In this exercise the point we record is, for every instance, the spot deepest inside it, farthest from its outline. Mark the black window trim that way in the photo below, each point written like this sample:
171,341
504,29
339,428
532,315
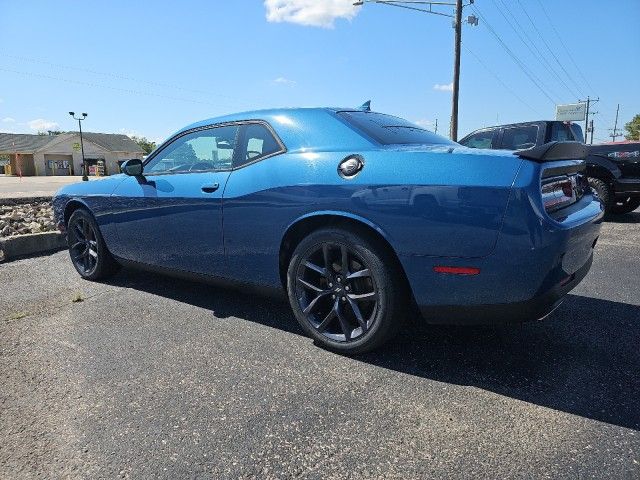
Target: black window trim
239,134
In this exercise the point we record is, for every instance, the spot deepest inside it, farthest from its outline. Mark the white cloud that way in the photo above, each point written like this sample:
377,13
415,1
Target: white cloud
284,81
315,13
444,87
42,125
8,120
428,124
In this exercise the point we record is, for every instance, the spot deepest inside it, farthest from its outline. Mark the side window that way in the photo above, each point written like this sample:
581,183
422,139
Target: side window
258,142
209,149
560,132
479,140
577,132
520,138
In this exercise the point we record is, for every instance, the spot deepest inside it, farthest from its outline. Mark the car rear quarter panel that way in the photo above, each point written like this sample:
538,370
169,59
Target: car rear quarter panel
425,203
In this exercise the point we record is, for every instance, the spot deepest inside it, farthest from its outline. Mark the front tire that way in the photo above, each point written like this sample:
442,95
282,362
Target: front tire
346,291
88,252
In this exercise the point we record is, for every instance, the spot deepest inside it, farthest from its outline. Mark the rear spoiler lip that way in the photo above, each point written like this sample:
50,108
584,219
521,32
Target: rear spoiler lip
555,151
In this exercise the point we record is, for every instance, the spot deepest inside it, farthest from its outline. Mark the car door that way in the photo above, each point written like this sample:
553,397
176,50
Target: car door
171,216
251,231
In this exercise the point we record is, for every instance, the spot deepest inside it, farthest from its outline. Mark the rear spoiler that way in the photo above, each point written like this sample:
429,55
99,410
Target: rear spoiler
552,151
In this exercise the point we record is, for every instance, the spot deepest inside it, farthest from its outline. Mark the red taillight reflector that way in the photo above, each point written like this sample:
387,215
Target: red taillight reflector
457,270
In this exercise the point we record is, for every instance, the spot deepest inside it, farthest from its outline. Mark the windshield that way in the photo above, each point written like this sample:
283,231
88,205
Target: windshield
390,130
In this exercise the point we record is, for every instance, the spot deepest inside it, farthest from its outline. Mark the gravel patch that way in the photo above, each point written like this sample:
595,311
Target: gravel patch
27,217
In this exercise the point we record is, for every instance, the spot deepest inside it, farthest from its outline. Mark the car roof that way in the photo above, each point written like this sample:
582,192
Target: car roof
299,128
263,114
302,129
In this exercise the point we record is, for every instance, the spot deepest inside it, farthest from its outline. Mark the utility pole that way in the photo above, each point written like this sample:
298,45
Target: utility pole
453,132
591,130
436,129
457,25
615,133
84,162
588,101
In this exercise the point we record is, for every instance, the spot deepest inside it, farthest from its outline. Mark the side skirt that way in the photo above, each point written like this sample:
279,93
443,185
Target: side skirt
246,287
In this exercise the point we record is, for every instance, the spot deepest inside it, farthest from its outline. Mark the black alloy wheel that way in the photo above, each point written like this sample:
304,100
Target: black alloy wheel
336,292
343,291
83,246
625,205
87,249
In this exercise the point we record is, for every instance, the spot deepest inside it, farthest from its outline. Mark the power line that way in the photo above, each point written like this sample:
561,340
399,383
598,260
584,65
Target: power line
537,82
542,37
115,75
537,53
507,87
118,89
566,49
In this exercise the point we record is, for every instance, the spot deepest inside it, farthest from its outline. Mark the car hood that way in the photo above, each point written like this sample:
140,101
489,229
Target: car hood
102,186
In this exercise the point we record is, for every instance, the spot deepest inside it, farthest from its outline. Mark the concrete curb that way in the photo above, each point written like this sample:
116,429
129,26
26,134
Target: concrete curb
11,202
30,244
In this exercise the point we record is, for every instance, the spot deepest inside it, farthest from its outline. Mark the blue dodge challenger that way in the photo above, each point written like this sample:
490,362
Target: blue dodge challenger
362,218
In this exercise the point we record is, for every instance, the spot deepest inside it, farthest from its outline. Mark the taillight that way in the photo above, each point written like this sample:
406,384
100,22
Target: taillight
559,192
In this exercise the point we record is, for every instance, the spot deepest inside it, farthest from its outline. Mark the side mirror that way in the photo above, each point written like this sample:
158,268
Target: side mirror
132,167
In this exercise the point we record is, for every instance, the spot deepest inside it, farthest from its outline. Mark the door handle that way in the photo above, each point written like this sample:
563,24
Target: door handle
210,188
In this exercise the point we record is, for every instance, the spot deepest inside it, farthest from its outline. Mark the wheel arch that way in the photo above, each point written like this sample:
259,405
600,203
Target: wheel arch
602,168
71,206
306,224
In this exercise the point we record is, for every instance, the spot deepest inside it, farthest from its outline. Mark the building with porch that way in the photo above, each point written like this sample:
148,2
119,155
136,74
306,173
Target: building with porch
30,155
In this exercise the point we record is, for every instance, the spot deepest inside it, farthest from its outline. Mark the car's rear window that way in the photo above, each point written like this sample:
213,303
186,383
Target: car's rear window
390,130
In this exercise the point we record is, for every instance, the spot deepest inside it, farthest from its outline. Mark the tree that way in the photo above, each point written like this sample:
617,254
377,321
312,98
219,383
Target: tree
146,145
633,128
51,132
184,154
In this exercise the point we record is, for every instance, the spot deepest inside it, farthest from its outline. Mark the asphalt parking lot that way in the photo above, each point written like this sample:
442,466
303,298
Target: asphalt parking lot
21,187
150,377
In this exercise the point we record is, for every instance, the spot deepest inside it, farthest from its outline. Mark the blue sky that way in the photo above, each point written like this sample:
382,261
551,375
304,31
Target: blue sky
149,68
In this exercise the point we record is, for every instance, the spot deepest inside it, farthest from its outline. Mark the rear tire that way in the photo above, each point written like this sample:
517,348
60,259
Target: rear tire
624,205
88,252
346,291
603,191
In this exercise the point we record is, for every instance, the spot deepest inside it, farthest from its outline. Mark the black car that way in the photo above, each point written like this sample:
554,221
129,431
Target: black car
614,173
613,168
520,136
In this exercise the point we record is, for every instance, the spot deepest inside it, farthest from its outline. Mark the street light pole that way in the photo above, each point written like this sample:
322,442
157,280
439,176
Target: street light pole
426,6
84,163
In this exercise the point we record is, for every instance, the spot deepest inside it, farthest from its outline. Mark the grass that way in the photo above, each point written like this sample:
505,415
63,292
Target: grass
77,298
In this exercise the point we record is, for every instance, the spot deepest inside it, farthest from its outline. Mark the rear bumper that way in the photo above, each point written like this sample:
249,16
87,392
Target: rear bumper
535,308
627,187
